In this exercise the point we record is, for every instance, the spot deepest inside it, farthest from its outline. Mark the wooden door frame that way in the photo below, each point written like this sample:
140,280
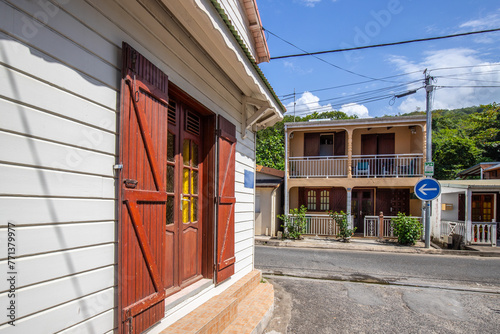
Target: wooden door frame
360,189
494,202
208,175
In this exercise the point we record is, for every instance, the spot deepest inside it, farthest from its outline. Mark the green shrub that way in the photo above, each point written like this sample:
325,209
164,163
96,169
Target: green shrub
408,229
294,224
345,233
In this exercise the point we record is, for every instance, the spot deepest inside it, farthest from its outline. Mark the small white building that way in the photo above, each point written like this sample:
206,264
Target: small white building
127,128
268,200
469,208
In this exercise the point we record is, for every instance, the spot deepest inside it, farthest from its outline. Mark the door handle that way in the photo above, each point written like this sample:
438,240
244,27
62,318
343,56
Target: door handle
184,199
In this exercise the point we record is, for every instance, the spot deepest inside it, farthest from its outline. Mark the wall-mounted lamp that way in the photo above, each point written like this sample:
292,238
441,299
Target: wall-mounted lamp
413,130
291,135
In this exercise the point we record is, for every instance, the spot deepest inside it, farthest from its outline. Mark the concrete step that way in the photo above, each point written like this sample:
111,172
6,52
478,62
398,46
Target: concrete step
244,286
254,311
245,307
211,317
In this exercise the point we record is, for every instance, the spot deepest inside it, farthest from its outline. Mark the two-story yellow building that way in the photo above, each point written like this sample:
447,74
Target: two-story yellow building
360,166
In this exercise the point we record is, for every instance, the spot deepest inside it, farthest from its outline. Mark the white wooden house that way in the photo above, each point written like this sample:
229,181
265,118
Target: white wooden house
114,115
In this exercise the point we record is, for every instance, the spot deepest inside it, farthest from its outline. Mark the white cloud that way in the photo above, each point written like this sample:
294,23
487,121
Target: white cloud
473,71
309,103
490,21
355,109
310,3
306,104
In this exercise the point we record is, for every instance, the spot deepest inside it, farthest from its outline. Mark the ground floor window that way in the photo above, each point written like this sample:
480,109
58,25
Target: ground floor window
323,199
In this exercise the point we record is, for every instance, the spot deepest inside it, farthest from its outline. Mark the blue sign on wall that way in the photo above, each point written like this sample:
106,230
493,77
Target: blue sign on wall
249,179
427,189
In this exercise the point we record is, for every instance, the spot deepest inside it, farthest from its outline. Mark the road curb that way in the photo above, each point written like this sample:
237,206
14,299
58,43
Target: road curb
367,248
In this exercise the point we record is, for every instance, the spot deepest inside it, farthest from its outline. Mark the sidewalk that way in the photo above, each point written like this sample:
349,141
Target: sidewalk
373,245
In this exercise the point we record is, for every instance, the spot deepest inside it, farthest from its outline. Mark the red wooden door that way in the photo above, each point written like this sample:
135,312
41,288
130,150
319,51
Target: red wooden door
361,206
226,199
143,141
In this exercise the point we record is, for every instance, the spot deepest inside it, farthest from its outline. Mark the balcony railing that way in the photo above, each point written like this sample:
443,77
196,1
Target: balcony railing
318,166
388,165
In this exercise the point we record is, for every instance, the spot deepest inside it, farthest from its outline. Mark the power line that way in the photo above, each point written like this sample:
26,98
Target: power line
324,61
380,45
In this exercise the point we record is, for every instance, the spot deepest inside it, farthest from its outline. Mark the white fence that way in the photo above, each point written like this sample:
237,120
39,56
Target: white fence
372,226
484,233
481,233
320,224
449,227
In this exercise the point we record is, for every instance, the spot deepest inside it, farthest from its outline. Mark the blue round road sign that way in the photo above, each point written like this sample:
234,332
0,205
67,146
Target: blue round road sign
427,189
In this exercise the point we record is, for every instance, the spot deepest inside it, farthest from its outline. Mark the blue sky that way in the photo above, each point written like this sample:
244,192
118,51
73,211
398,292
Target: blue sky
317,25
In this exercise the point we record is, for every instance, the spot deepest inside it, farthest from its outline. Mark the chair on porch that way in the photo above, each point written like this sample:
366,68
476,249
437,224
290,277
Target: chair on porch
363,168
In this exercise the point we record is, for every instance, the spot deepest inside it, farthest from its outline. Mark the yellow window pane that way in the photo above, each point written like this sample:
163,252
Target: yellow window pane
185,181
185,211
194,209
185,152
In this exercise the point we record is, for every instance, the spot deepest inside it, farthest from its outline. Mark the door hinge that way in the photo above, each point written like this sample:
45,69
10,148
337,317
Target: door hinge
118,167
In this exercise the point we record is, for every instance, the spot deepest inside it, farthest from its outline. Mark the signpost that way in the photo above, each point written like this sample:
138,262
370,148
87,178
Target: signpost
427,189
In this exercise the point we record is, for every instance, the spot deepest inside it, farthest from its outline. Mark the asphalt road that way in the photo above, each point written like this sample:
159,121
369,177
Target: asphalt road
374,267
368,292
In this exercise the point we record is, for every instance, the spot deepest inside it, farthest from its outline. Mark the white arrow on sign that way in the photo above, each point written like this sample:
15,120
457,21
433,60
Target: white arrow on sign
423,189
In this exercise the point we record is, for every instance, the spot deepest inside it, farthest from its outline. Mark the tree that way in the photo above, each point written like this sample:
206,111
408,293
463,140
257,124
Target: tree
271,141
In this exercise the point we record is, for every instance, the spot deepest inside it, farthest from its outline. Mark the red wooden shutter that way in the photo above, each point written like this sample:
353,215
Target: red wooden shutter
339,143
143,146
226,199
311,144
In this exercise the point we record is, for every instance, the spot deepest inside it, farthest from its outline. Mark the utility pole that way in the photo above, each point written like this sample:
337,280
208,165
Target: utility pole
294,103
428,91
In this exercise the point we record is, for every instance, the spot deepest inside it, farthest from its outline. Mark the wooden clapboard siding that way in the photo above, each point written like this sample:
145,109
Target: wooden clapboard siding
48,294
43,125
52,238
41,95
45,182
44,211
65,316
75,60
187,66
48,67
99,323
58,46
46,267
23,150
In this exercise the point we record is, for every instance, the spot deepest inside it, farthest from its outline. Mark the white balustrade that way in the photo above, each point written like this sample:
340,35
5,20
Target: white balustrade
318,166
484,233
387,165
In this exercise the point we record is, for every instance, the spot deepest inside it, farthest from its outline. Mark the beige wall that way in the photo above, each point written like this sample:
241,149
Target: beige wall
269,201
405,141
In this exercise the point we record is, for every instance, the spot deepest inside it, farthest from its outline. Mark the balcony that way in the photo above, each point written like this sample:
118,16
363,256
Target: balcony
387,165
